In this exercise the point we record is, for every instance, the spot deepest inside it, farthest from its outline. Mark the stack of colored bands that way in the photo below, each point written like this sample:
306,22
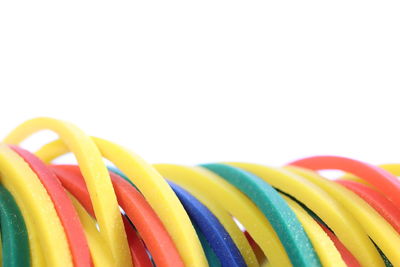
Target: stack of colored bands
221,214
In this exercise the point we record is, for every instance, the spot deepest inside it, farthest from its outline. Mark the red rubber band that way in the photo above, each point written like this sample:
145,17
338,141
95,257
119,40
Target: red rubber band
376,200
347,257
385,182
146,221
65,210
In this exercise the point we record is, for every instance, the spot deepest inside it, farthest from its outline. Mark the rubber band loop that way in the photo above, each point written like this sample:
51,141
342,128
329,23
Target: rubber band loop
376,200
282,218
326,207
99,250
378,229
381,179
136,208
323,245
37,210
205,185
212,259
96,178
213,231
63,205
14,235
156,191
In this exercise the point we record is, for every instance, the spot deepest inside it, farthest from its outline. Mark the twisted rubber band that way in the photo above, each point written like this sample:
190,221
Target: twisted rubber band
219,240
37,210
96,178
282,218
379,230
14,235
156,191
63,205
326,207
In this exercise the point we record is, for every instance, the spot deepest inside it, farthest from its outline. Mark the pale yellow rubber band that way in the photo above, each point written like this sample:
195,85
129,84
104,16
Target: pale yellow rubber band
379,230
205,185
96,177
99,250
156,191
37,210
326,207
323,245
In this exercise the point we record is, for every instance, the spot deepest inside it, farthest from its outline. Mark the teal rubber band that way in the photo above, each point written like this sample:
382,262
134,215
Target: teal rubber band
285,223
14,235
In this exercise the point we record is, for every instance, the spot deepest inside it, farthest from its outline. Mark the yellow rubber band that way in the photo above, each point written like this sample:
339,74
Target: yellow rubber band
326,207
37,209
380,231
156,191
206,185
393,168
323,245
99,250
96,177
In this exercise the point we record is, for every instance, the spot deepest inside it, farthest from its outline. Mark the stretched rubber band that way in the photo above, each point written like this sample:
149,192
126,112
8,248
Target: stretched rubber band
281,217
381,179
63,205
14,236
96,178
204,184
378,229
219,240
136,208
37,210
376,200
323,245
326,207
156,191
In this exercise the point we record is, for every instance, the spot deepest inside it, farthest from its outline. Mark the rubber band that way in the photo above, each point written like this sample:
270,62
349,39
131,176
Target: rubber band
37,210
99,250
96,178
212,258
156,191
65,210
379,230
282,218
326,207
381,179
204,184
376,200
323,245
219,240
14,235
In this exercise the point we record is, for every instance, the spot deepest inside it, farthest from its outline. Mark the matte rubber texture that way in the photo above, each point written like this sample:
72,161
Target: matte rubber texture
381,204
144,219
153,187
219,240
14,235
69,218
212,259
282,218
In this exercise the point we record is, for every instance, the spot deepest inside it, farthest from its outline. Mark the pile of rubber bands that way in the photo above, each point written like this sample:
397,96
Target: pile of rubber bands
126,212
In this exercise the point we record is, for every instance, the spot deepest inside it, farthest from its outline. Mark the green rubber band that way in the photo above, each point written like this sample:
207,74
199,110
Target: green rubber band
212,259
290,231
14,236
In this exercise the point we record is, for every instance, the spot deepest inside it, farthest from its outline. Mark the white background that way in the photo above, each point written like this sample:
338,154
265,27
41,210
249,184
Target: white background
193,82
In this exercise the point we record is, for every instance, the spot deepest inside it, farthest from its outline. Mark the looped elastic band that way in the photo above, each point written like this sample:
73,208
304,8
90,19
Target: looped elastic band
282,218
14,236
215,234
156,191
96,177
37,210
377,228
63,205
326,207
